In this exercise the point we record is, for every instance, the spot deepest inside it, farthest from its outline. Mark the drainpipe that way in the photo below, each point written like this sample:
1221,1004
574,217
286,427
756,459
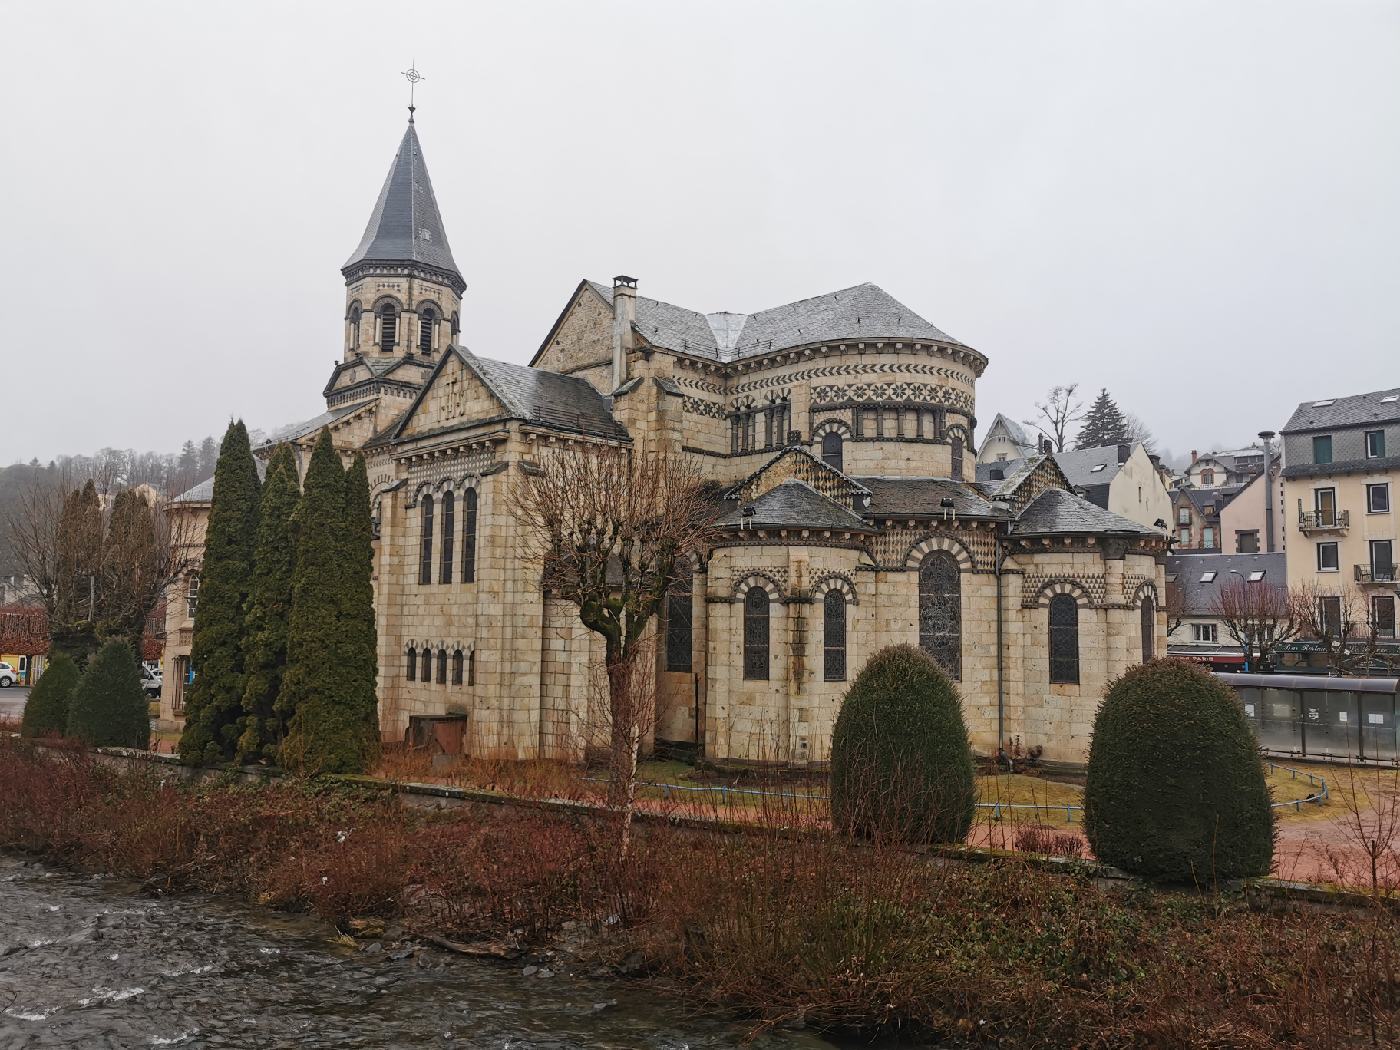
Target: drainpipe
999,555
1267,437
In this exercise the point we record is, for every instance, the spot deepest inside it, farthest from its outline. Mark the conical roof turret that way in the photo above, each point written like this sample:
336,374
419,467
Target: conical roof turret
406,226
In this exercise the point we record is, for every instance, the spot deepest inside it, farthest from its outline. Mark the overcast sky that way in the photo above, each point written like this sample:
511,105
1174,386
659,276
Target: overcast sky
1196,205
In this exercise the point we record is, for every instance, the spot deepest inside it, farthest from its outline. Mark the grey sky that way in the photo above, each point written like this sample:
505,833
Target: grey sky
1194,204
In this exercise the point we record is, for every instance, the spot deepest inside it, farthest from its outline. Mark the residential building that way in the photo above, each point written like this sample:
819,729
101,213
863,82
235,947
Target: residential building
1196,517
1123,479
1195,629
1341,472
1005,440
1221,469
842,429
1246,519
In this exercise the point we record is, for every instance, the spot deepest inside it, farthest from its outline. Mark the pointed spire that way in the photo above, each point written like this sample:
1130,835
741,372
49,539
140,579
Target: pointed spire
406,226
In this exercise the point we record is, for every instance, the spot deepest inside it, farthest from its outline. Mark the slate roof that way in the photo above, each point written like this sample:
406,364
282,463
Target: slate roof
923,497
406,225
293,431
1219,498
1090,466
795,504
565,402
1356,410
1197,594
863,311
204,491
1013,430
1011,472
1056,512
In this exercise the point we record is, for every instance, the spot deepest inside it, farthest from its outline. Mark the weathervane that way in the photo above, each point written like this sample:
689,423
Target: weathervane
413,76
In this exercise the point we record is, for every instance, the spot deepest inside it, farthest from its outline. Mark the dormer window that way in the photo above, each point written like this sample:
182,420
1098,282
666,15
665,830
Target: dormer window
388,326
427,321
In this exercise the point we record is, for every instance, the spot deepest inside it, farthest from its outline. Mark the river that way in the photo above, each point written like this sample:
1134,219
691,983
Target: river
89,962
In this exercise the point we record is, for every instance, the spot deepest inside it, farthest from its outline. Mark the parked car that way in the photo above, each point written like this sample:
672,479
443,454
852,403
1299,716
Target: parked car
8,675
151,682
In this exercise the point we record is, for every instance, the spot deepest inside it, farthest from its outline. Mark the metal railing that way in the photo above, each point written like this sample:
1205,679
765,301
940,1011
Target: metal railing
1323,520
1367,573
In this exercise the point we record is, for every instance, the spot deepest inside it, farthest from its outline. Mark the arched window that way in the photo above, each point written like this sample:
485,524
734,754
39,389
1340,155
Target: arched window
833,455
679,624
956,473
449,510
471,667
1149,629
355,315
427,320
469,536
457,663
756,634
442,667
425,553
456,324
834,636
1064,640
940,610
388,326
412,663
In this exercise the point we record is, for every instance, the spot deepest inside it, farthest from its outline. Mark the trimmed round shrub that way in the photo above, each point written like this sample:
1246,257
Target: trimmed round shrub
46,712
109,708
901,765
1176,789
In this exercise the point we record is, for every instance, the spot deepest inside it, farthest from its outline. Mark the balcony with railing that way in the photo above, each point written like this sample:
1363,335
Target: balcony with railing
1324,520
1380,575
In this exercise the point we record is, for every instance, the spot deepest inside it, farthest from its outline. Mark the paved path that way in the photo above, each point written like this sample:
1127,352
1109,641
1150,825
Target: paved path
12,702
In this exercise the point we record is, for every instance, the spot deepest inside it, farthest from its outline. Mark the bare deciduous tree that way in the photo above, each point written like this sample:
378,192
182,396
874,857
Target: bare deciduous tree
610,527
1057,414
1259,616
106,568
1174,605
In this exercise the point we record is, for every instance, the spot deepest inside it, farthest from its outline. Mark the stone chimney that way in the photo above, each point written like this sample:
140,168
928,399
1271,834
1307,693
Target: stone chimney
1194,457
624,316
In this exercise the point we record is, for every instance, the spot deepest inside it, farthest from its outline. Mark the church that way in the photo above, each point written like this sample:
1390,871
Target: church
843,431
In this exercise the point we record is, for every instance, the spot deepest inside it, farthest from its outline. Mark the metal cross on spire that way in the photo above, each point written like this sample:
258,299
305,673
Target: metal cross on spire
413,76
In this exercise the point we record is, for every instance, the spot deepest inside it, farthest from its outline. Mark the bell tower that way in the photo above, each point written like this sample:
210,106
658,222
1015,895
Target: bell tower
403,291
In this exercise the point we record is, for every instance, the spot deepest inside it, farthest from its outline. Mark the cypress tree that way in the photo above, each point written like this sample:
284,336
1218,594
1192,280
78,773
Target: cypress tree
325,721
46,713
269,608
214,703
109,708
1104,425
359,561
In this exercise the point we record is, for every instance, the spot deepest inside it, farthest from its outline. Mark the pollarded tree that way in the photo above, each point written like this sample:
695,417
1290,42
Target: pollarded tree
611,528
359,591
1104,424
269,609
109,708
1176,790
46,712
214,702
321,699
901,764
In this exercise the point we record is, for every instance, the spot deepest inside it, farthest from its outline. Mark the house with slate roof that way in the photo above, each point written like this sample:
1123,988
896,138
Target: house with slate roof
841,429
1341,470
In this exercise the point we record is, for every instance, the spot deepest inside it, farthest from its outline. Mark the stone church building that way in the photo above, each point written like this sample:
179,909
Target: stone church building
843,428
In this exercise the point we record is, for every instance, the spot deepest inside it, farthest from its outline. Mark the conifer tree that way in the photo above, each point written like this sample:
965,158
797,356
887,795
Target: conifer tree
269,608
214,703
109,708
46,711
1103,425
325,720
359,562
